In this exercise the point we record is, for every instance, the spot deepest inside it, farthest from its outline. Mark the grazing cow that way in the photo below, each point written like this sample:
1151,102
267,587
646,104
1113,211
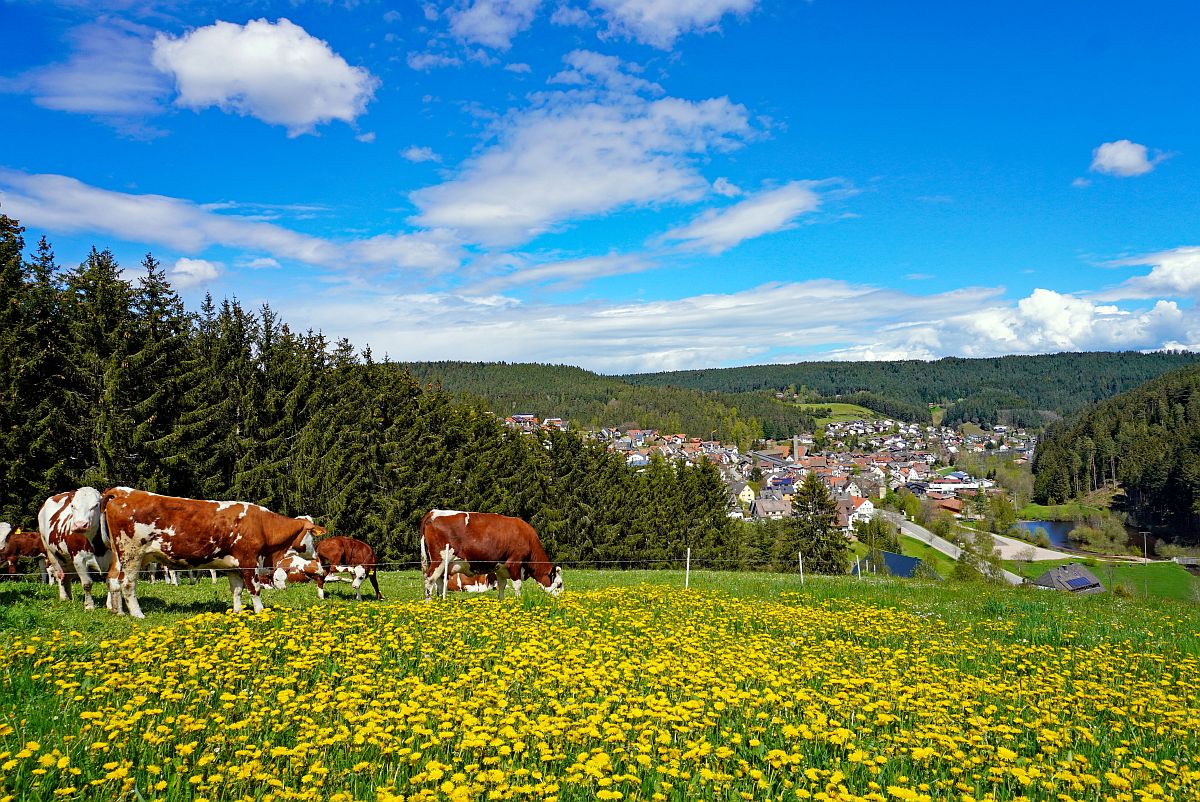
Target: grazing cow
484,543
15,544
189,533
292,567
75,542
340,555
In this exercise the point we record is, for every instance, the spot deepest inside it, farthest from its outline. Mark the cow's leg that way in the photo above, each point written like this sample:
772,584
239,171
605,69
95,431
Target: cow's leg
375,584
501,580
249,578
235,587
64,581
212,572
127,582
83,564
43,573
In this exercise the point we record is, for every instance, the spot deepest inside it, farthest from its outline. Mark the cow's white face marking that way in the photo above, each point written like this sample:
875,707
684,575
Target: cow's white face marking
85,509
556,584
279,579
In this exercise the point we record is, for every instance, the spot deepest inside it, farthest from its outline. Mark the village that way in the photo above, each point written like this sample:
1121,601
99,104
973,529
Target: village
859,461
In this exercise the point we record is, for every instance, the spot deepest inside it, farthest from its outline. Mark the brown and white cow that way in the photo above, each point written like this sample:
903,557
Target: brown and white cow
75,542
478,583
341,555
484,543
16,544
190,533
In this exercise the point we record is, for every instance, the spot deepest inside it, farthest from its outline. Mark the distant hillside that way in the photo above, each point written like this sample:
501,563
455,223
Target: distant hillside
1013,389
1147,439
590,400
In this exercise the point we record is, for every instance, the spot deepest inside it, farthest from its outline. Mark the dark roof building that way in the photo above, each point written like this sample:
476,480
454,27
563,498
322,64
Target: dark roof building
1073,578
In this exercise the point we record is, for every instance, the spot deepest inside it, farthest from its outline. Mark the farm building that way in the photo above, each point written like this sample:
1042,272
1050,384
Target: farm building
1073,578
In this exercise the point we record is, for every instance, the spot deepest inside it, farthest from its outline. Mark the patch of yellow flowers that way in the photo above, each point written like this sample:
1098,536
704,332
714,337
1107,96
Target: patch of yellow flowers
625,694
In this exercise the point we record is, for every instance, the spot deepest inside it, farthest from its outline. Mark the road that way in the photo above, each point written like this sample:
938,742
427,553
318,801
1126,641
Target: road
941,544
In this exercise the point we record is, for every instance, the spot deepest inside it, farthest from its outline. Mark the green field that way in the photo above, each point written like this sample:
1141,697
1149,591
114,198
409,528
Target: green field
839,413
747,686
1057,512
1156,580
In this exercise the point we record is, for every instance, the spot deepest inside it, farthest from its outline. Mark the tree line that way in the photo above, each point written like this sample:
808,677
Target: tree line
1014,388
592,401
106,382
1146,440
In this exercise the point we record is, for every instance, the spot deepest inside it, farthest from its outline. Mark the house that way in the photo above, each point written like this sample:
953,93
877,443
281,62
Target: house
769,508
892,564
1073,578
637,460
744,493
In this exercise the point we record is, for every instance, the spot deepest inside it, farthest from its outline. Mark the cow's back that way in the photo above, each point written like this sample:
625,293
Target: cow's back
480,537
340,550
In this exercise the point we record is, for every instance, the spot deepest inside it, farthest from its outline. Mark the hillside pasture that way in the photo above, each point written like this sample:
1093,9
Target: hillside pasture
839,413
627,687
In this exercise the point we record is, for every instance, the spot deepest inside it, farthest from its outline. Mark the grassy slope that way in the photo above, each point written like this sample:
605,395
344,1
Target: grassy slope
27,608
840,412
1159,580
1057,512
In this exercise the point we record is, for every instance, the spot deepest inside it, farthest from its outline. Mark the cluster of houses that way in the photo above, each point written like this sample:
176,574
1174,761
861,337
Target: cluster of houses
860,462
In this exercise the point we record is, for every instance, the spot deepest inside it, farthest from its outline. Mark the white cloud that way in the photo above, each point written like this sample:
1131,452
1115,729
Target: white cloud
1081,182
368,137
588,68
582,153
262,263
723,186
108,75
424,62
570,16
661,22
1123,158
718,230
492,23
519,67
275,72
61,204
564,274
1173,274
193,272
420,154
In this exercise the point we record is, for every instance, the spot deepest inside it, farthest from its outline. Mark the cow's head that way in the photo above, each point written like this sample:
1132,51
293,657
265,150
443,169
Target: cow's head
305,543
83,513
556,581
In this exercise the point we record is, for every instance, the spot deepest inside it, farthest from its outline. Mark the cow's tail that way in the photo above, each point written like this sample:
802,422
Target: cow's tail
424,553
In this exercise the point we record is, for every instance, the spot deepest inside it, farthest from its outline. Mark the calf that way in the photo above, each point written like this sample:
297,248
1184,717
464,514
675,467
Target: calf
15,545
76,543
339,555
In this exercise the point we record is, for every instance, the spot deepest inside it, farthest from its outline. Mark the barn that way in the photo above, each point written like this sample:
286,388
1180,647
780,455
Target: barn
1073,578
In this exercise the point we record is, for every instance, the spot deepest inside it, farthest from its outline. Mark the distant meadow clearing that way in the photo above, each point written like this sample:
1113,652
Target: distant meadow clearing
744,687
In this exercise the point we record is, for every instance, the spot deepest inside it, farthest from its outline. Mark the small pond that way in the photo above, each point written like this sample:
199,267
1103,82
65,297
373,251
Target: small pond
1057,530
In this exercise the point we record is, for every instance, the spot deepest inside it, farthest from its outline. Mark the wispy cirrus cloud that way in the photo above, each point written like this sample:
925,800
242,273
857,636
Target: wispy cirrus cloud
108,76
62,204
718,230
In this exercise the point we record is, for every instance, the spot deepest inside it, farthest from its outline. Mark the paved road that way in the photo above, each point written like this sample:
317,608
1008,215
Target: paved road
941,544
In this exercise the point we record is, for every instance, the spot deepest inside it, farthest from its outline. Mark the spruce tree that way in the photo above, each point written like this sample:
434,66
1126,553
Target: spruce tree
812,531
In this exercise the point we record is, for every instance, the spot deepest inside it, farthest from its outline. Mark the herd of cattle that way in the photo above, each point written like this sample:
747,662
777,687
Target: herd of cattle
121,532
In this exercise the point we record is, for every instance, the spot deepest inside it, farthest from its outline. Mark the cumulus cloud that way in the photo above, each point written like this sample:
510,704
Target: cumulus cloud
59,203
108,75
193,272
1123,158
492,23
1173,273
718,230
660,22
723,186
275,72
416,154
582,153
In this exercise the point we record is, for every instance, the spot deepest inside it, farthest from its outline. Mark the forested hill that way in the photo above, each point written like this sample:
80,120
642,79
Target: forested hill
1147,439
987,391
590,400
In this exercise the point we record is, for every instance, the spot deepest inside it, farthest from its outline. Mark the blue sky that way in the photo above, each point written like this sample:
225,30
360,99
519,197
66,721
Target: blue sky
629,184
